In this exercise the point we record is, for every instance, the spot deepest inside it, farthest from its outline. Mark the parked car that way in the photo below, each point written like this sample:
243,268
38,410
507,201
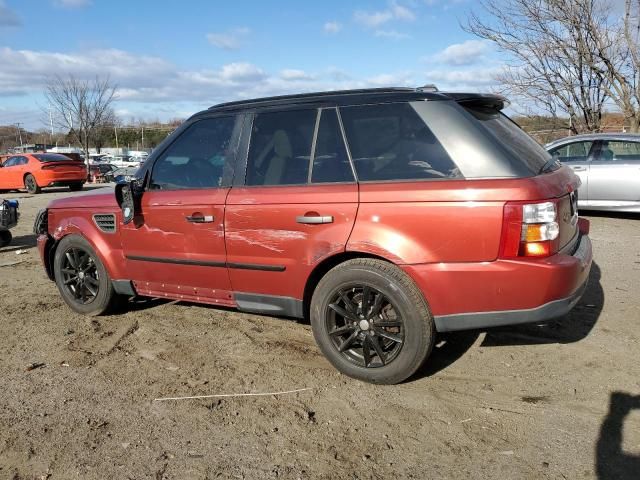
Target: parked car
124,175
608,165
9,216
35,171
101,172
124,161
383,216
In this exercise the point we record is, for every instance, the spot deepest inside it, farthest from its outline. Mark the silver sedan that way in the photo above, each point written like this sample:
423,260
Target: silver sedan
608,165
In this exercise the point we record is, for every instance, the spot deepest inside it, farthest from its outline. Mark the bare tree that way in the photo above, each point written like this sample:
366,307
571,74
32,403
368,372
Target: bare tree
619,62
553,46
82,107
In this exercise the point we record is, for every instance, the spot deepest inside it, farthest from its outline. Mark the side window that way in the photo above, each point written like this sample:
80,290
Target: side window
330,160
280,148
22,161
573,152
392,142
619,150
198,158
10,162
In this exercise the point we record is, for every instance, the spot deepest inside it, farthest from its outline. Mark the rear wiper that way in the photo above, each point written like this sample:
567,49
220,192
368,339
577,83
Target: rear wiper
550,163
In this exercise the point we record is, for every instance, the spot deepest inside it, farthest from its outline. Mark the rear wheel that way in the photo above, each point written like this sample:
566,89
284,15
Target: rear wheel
76,187
81,277
30,184
5,238
371,321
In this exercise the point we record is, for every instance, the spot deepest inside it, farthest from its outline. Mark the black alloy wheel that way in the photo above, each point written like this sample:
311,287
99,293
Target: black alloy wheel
364,326
80,275
30,184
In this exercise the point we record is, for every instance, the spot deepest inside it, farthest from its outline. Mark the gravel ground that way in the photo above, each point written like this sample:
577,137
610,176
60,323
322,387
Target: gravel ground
555,401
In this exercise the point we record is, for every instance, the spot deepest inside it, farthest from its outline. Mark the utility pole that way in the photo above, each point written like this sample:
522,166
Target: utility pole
142,137
115,130
51,123
17,124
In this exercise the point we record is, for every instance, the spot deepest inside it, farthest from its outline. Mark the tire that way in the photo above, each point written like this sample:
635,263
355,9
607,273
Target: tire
31,185
76,187
89,297
5,238
394,350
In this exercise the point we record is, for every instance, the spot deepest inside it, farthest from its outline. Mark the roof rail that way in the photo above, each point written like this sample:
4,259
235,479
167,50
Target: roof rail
302,96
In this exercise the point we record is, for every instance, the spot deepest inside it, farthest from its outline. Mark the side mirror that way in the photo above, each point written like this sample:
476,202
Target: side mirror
126,196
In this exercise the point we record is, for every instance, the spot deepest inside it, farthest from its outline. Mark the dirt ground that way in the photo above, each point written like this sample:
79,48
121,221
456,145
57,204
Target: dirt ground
555,401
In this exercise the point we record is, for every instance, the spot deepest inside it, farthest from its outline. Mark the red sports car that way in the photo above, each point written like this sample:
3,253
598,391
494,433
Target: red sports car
34,171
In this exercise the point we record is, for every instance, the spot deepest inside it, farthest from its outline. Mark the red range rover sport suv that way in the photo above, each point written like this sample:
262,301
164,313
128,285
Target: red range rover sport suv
382,216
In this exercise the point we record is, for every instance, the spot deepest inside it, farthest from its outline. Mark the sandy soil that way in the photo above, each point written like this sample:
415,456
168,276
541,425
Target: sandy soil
555,401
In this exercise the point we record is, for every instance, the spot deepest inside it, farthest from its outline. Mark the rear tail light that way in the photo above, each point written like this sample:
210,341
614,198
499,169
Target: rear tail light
530,229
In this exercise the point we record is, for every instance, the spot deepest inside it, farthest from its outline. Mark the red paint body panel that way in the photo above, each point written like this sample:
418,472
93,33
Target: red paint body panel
12,178
163,232
261,228
444,221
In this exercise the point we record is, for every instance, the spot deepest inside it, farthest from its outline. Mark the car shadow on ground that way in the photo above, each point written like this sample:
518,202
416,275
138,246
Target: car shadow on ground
573,327
609,214
19,242
611,460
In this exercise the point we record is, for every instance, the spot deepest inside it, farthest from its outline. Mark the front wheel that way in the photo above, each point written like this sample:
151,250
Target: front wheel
371,321
81,277
30,184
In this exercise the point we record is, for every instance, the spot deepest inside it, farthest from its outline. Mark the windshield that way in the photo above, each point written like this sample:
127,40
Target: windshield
512,137
52,157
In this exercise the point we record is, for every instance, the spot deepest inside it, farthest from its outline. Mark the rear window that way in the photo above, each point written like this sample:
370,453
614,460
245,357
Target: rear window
392,142
512,138
52,157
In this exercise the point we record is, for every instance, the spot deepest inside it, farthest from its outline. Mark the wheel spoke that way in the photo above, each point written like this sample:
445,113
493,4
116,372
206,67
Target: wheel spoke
347,343
68,271
366,351
341,311
390,336
377,305
76,258
351,308
366,299
376,346
71,280
92,291
71,259
341,330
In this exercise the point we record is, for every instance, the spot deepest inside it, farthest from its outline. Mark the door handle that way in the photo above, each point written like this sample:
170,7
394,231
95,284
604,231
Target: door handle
578,168
315,220
200,218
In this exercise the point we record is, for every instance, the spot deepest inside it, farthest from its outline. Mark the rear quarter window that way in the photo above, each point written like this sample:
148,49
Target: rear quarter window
392,142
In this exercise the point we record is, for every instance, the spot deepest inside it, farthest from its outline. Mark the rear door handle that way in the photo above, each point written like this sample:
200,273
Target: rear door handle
578,168
314,220
200,218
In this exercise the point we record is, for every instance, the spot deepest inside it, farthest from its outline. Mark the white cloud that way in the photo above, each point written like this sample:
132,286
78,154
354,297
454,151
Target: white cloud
8,17
72,3
292,74
395,11
238,72
392,34
332,27
230,40
465,53
473,79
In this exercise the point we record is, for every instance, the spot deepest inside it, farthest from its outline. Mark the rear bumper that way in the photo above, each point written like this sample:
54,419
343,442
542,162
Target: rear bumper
469,296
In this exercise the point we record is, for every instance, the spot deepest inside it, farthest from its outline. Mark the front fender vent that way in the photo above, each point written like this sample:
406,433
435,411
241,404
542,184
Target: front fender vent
105,222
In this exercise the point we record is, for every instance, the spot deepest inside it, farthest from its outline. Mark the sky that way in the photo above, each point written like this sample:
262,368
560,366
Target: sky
173,58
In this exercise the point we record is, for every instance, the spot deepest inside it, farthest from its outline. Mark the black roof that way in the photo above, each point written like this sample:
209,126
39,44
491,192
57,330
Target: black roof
354,97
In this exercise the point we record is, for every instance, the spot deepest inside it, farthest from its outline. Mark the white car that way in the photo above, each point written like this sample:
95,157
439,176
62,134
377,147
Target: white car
122,161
